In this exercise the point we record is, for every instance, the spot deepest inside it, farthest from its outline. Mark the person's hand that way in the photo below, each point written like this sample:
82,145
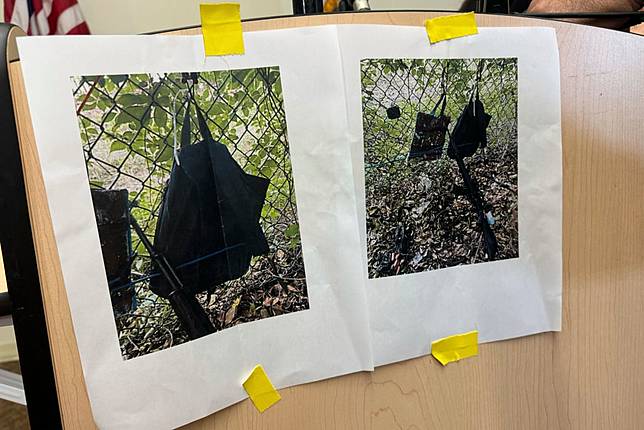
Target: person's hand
551,6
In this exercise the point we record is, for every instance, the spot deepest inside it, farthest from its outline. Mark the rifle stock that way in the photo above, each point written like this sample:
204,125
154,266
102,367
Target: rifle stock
474,194
190,313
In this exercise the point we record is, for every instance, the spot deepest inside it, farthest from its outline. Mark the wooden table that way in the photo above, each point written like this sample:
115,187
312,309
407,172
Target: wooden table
591,375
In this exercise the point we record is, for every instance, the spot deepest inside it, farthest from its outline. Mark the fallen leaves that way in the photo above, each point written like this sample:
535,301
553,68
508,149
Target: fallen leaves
419,218
275,285
230,314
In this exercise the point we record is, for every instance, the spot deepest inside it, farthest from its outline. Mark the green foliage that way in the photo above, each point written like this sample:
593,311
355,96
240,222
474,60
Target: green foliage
292,233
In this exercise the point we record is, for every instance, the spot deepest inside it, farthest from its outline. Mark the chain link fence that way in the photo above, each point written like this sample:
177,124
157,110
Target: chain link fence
130,126
416,218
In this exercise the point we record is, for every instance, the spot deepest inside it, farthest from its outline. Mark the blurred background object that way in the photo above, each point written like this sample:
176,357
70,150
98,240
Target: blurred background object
38,17
618,14
8,351
343,5
144,16
302,7
12,415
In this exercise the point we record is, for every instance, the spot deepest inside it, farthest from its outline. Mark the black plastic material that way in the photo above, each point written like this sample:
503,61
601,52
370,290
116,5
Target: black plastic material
21,266
305,7
393,112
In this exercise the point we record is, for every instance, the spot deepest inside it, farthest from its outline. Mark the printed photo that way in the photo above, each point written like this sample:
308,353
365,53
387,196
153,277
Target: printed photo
441,160
194,200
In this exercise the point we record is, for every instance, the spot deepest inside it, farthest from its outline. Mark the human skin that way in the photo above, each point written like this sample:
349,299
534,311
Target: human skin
549,6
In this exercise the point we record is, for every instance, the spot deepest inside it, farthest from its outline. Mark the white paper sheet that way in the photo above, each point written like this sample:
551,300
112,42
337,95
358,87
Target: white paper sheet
172,387
500,299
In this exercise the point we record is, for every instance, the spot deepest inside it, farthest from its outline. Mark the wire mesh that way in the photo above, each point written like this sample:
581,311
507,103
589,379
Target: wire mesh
129,127
415,220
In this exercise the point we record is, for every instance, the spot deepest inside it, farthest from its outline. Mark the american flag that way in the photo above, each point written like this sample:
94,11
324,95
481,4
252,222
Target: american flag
43,17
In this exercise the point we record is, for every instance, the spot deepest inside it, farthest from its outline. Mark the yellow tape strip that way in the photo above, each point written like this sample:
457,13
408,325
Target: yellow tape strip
451,26
457,347
260,389
221,28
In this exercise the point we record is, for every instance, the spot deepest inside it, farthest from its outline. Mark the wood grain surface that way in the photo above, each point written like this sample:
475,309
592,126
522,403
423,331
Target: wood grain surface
591,375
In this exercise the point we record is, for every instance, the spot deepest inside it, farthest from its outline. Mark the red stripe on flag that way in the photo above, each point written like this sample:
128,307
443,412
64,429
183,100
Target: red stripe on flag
8,9
81,28
58,7
37,6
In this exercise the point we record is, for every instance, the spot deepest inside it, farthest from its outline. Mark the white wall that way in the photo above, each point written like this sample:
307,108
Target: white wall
140,16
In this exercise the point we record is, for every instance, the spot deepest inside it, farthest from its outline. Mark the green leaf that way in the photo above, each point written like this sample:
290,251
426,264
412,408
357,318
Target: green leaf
274,76
139,145
123,118
164,100
110,116
117,79
166,154
292,231
117,146
239,95
241,74
272,213
103,103
126,100
266,171
218,109
136,111
160,117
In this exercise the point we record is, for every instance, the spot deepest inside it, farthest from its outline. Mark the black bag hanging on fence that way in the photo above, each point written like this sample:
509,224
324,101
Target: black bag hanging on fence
208,226
429,135
470,131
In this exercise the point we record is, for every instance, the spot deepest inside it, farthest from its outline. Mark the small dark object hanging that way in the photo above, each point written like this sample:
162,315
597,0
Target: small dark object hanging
393,112
113,220
208,227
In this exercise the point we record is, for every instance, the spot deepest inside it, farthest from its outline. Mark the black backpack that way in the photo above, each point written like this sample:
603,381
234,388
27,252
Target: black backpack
470,131
208,227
